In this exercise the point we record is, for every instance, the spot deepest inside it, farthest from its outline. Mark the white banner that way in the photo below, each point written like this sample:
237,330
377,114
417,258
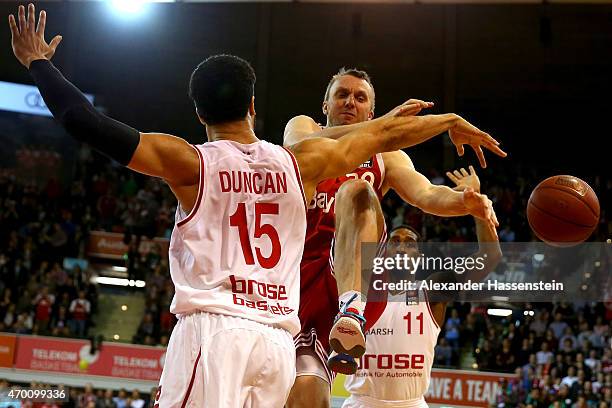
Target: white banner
25,99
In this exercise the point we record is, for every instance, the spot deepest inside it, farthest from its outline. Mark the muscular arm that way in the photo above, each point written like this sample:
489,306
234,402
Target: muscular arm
417,190
321,158
304,127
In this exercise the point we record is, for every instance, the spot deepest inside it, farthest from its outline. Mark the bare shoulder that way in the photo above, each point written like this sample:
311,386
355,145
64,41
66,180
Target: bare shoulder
303,120
298,128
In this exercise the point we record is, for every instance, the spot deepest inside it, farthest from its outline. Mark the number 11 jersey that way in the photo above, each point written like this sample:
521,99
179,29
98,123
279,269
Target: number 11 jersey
238,251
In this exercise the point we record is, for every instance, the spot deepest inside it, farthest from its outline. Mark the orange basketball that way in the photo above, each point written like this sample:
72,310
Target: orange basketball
563,210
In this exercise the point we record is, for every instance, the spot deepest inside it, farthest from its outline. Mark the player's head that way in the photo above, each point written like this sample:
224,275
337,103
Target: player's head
349,98
222,88
403,239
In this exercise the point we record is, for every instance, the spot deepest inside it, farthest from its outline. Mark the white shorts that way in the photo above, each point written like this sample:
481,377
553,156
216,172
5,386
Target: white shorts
216,361
363,401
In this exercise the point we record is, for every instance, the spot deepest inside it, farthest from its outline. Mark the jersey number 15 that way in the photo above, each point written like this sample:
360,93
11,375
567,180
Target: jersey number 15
239,220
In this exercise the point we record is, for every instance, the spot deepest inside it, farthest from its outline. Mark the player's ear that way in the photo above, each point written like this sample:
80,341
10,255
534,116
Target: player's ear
371,115
199,117
325,108
252,106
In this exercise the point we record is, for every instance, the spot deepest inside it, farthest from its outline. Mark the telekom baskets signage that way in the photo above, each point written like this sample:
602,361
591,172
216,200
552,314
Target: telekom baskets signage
75,357
110,245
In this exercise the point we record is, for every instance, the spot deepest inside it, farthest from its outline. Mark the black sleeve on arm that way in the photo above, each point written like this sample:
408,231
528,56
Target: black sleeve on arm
79,117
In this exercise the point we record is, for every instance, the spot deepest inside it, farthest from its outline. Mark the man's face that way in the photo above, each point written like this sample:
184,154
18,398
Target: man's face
349,101
403,241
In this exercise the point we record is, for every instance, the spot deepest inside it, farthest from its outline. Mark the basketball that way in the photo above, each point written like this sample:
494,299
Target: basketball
563,210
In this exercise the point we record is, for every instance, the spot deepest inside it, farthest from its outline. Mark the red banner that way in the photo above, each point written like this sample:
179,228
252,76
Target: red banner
7,349
75,357
110,245
464,388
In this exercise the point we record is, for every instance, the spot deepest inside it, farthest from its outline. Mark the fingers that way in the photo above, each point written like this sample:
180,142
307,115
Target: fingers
460,150
22,20
495,149
412,107
31,17
472,171
457,174
42,22
13,26
464,172
408,109
495,220
423,104
481,158
55,42
452,177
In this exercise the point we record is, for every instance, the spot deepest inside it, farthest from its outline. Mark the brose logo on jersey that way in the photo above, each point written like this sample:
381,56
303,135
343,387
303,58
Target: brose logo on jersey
392,361
259,289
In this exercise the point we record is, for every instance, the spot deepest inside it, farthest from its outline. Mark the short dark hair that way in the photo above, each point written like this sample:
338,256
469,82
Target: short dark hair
222,87
357,73
408,227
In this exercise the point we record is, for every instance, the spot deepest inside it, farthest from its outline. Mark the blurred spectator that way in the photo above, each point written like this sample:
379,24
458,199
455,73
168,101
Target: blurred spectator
544,355
452,330
88,396
106,401
443,353
80,309
558,326
121,400
43,303
136,400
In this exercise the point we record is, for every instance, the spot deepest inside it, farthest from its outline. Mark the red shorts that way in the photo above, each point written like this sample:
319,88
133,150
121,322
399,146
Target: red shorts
318,299
319,304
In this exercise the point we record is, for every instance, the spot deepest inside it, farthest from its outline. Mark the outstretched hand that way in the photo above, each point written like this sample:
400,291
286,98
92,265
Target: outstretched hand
463,179
465,133
28,40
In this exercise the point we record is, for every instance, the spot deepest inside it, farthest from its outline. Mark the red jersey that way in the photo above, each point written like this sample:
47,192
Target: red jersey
318,289
321,215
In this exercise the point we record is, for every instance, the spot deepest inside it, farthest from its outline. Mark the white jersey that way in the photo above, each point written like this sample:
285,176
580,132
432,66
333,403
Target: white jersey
399,352
238,251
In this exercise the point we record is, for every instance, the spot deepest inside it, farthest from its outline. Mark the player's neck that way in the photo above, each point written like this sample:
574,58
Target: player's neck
238,131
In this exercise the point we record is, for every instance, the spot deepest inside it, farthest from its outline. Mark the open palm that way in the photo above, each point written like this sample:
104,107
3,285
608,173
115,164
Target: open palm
28,40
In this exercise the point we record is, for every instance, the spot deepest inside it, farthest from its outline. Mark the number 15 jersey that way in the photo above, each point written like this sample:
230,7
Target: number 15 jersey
238,251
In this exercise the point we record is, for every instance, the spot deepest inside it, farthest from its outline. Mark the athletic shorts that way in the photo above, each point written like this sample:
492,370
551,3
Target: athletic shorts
318,308
218,361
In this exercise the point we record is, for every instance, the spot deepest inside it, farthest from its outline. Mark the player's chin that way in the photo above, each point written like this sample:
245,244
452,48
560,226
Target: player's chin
343,120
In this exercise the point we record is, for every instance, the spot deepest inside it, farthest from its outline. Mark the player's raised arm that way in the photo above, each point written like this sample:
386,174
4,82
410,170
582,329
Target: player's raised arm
417,190
303,127
488,241
158,155
323,158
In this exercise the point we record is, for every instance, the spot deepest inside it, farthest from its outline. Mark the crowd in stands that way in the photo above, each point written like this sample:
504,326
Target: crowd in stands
44,220
562,355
